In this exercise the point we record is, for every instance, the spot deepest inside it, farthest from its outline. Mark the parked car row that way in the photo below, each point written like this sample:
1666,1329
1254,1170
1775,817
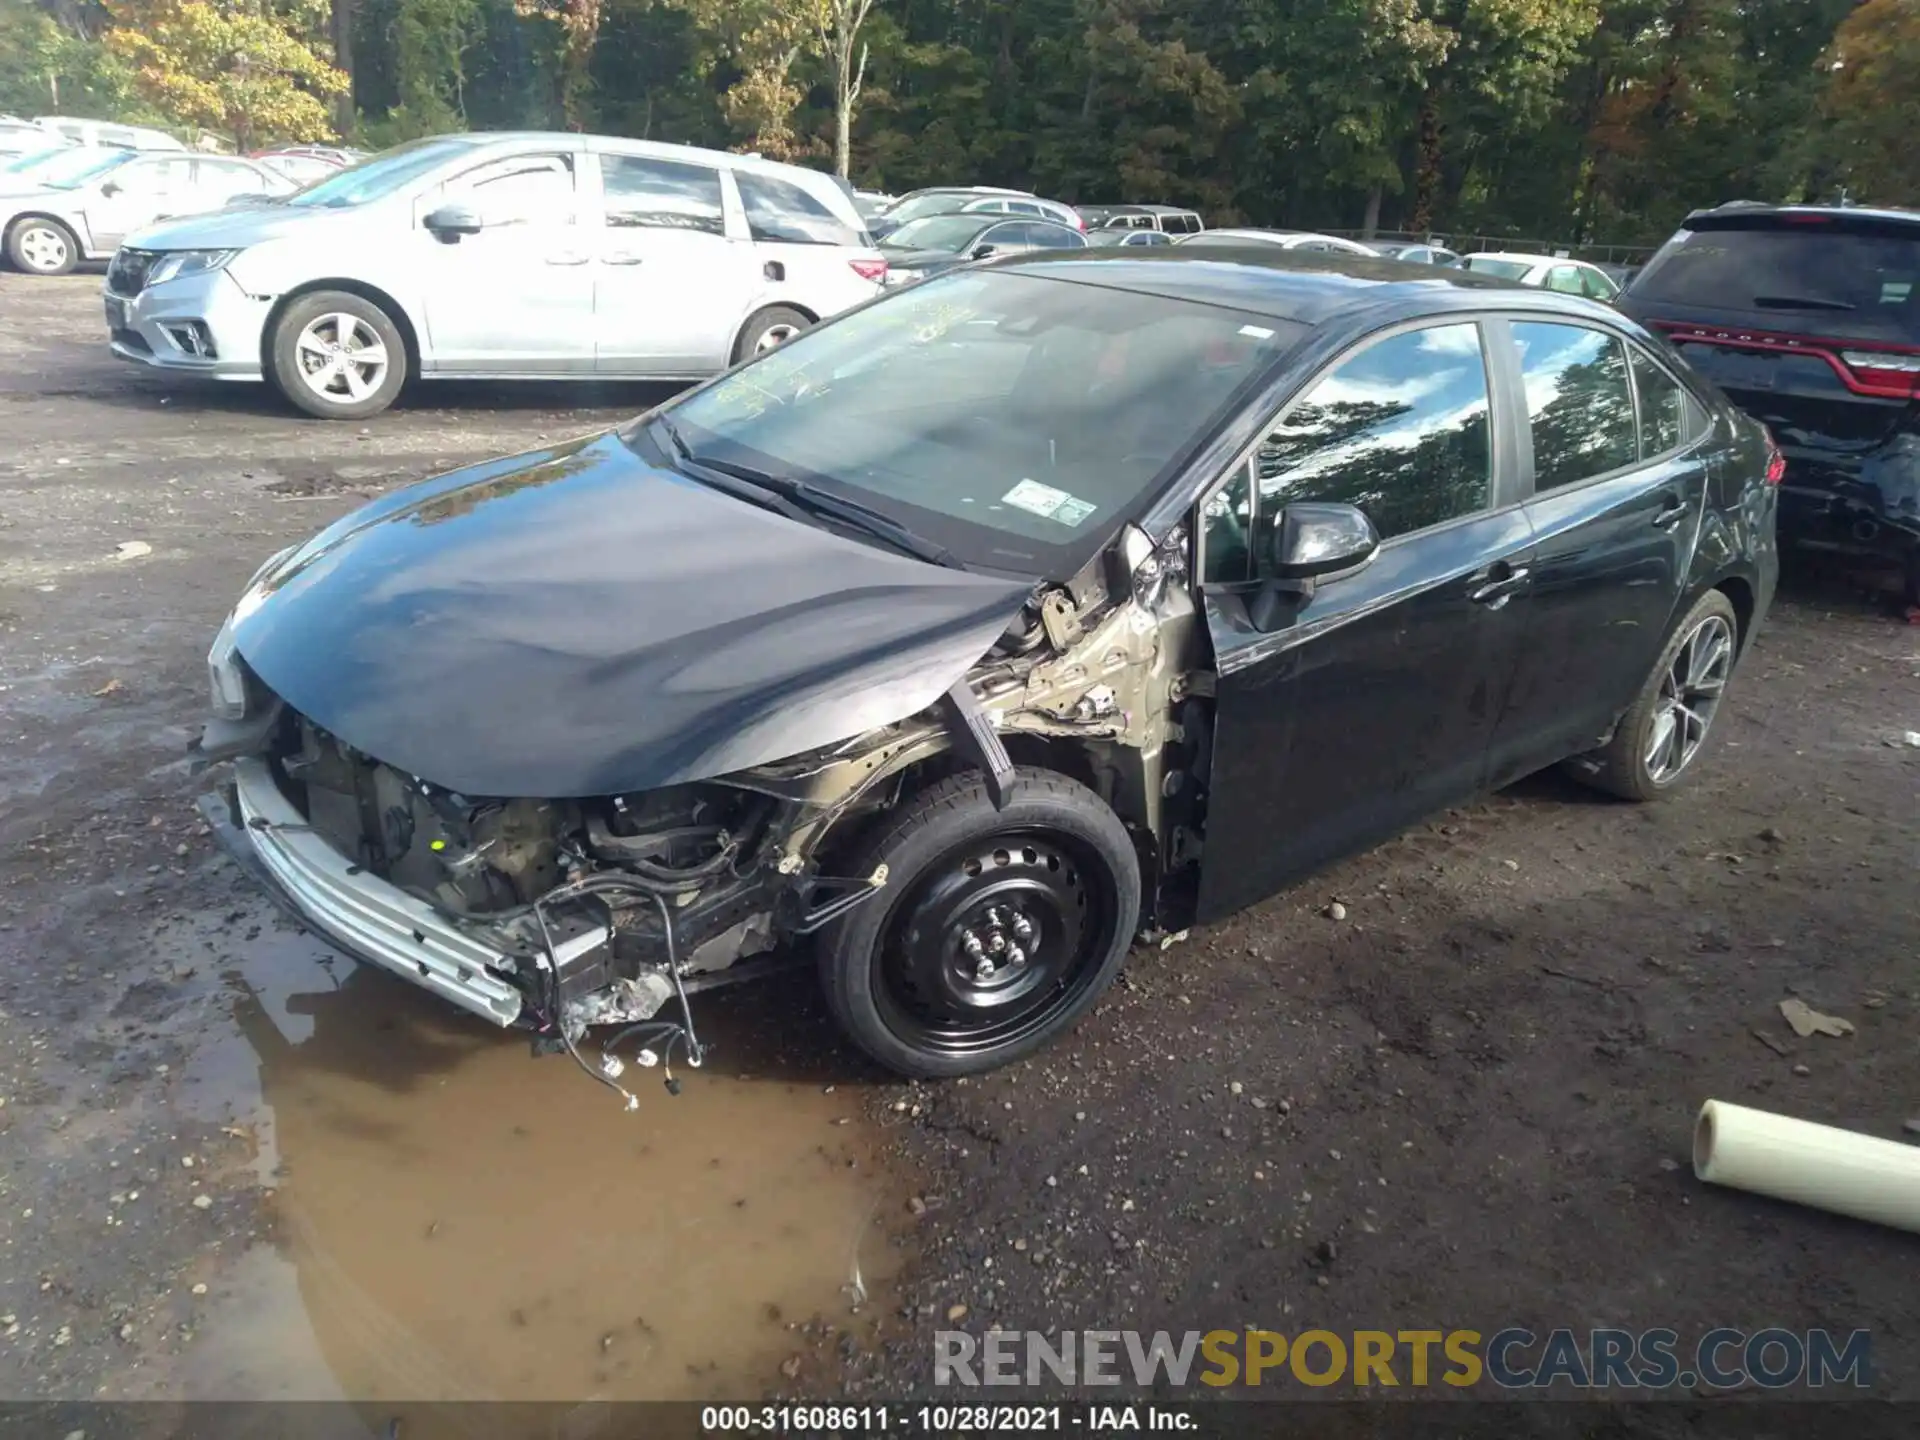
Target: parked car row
61,207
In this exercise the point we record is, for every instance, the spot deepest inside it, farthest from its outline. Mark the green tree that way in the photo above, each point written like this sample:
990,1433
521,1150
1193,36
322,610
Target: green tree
250,74
1872,100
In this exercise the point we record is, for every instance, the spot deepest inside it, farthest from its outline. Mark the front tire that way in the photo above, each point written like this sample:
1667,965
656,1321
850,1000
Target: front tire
769,330
996,931
1658,741
42,247
338,356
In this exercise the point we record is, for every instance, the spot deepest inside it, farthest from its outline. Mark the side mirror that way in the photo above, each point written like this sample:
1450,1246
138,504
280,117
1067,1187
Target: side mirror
110,188
450,222
981,252
1303,543
1309,540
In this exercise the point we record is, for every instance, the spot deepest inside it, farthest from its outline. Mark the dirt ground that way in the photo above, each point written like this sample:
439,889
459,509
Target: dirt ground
233,1164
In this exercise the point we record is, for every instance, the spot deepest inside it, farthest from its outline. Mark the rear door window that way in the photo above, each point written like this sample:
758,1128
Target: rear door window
778,210
641,193
1050,236
1578,402
1663,406
1565,279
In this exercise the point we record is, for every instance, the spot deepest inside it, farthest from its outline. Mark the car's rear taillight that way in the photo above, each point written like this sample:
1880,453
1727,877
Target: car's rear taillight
874,270
1776,462
1890,370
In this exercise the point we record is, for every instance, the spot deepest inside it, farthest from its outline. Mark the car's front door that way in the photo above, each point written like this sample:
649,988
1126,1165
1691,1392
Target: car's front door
1373,702
136,194
674,270
516,298
1618,496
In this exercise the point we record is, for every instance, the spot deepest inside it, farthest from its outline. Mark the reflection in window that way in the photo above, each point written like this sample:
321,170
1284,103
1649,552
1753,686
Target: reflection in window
779,210
1578,401
1662,407
1400,430
643,193
521,190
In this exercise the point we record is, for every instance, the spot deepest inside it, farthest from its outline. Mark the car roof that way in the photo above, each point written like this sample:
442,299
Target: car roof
1522,257
1306,288
1746,208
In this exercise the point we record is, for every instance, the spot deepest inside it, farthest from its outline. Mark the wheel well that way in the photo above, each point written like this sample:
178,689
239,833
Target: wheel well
21,219
372,294
1740,595
740,334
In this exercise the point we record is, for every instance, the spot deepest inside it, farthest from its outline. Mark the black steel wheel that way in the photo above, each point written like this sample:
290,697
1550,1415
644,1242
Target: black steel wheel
997,930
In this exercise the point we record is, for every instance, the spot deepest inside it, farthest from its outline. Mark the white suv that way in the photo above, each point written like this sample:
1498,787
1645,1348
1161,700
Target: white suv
529,256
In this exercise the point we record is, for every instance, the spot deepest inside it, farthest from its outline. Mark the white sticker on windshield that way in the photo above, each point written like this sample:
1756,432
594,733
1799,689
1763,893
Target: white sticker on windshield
1258,332
1048,503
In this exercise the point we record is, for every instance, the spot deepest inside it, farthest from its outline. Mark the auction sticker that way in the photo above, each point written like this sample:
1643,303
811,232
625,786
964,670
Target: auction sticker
1048,503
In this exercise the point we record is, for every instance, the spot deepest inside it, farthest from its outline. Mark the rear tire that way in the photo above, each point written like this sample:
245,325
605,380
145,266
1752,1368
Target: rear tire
996,930
769,330
39,246
337,356
1654,748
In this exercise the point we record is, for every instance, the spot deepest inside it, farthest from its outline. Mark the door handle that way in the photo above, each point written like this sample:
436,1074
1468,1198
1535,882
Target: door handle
1675,511
1496,584
567,257
620,257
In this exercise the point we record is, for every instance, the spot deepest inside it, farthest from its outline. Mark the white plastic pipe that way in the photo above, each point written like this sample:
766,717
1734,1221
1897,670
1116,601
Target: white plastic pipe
1809,1164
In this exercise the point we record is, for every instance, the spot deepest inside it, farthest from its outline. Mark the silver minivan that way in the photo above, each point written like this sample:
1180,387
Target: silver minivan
502,256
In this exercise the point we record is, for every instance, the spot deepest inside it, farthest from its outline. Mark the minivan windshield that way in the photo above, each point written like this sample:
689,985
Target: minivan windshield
70,169
381,175
1015,419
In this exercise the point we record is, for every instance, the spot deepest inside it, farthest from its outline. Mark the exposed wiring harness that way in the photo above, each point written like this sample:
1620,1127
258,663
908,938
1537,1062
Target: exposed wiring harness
664,1034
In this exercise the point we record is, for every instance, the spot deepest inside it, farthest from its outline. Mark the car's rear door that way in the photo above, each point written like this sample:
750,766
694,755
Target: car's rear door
1614,458
673,269
1376,700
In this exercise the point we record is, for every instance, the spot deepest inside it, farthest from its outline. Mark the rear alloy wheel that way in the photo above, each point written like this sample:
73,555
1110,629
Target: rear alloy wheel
769,330
1657,742
42,247
338,356
997,929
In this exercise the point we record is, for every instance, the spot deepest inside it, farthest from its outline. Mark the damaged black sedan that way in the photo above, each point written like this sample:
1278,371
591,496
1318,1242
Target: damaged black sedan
994,624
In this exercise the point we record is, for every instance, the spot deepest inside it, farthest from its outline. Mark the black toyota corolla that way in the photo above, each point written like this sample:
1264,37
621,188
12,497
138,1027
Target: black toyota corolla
975,633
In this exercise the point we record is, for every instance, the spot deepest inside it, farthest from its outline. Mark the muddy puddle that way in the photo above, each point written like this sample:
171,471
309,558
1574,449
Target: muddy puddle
456,1219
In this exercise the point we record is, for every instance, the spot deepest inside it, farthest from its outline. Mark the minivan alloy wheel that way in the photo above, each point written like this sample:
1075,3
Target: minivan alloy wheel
44,248
342,358
1689,698
773,337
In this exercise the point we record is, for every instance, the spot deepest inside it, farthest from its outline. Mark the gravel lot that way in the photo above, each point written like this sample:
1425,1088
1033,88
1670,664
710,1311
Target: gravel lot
1461,1105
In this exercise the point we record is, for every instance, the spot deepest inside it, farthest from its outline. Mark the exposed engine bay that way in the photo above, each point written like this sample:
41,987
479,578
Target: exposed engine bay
613,910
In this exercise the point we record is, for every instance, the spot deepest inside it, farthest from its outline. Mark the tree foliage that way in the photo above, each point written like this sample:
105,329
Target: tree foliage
1559,120
243,71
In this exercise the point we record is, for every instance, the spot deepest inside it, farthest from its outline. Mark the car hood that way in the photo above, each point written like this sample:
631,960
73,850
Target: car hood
236,228
580,621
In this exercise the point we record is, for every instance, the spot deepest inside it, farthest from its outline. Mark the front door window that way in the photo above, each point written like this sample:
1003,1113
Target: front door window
1399,430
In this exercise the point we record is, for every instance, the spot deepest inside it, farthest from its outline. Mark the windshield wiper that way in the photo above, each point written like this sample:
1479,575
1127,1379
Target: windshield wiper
1800,302
797,499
